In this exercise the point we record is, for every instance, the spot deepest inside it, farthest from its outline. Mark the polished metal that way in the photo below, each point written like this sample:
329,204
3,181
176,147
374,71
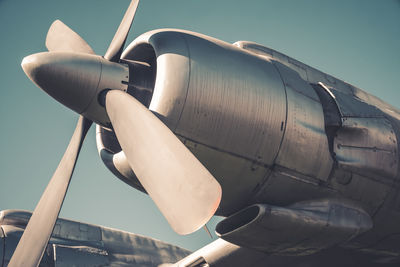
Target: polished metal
269,128
226,100
367,146
76,80
313,75
304,129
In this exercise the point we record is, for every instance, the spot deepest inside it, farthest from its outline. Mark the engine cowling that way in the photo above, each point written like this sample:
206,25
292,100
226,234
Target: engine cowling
226,104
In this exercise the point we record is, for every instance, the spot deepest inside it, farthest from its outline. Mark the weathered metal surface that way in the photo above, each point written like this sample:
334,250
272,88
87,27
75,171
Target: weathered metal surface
137,250
229,102
76,231
369,193
65,256
284,187
237,175
292,80
305,141
303,228
350,106
313,75
375,101
367,146
80,244
232,100
219,98
235,103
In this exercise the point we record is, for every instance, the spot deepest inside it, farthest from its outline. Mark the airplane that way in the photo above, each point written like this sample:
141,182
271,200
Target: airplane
316,190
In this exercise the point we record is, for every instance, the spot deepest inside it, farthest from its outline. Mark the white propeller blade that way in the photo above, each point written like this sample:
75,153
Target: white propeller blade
61,38
182,188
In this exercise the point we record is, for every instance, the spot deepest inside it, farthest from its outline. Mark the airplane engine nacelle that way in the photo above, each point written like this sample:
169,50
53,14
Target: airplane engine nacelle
303,228
239,113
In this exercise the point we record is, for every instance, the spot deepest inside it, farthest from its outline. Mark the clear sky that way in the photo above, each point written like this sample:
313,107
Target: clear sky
355,40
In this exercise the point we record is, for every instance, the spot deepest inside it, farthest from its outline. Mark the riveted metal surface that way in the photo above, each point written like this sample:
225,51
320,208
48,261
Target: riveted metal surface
232,103
284,186
236,101
306,72
237,176
127,249
367,146
369,193
299,229
375,101
292,80
65,256
349,106
76,231
299,67
305,141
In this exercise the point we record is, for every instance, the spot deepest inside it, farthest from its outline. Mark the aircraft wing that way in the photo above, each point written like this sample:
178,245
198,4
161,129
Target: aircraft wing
80,244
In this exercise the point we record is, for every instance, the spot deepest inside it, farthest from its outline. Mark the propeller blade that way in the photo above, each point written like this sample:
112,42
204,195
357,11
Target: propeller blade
182,188
62,38
114,51
37,233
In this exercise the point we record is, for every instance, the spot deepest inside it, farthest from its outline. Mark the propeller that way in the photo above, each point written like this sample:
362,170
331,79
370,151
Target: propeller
182,188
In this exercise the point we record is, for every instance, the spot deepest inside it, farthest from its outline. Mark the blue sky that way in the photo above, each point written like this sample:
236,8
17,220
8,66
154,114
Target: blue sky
355,40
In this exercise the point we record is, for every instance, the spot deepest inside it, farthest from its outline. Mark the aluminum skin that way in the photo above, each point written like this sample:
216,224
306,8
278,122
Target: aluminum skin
271,129
80,244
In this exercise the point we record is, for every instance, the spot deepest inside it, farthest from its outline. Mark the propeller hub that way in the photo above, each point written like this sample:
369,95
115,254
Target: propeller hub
76,80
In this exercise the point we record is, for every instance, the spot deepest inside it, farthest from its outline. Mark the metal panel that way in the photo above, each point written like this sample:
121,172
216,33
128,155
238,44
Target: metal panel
303,228
254,48
375,101
77,231
292,80
126,249
284,187
368,192
238,176
235,102
261,50
343,87
305,144
65,256
299,67
349,106
367,146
